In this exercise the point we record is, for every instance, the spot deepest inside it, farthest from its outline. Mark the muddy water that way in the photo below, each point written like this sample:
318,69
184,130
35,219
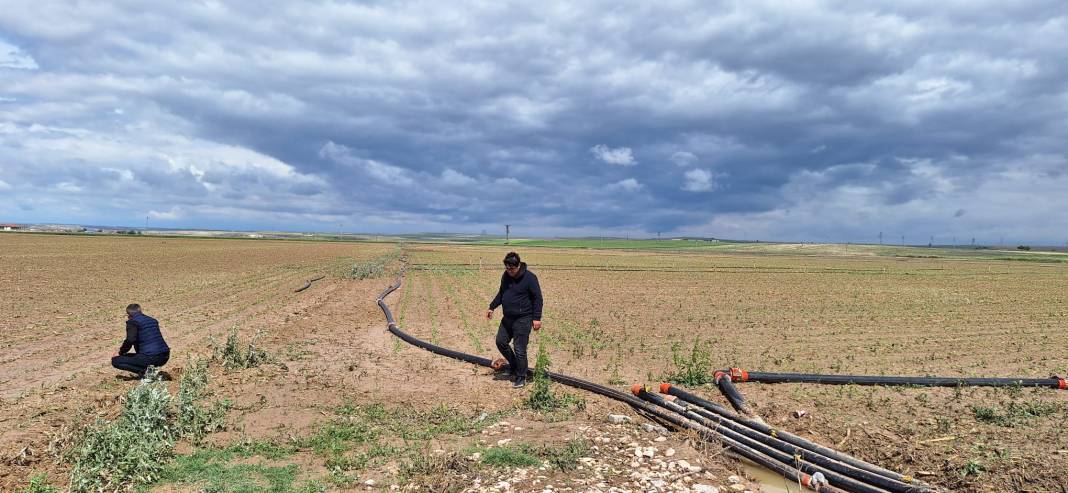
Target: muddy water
769,481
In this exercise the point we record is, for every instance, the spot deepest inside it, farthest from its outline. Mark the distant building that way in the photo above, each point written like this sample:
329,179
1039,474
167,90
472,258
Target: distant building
10,227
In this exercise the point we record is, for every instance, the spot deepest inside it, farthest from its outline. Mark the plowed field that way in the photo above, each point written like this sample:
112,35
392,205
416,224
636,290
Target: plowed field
613,317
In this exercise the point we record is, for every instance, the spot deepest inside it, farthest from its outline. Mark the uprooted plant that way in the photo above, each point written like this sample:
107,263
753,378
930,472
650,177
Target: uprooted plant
233,357
132,449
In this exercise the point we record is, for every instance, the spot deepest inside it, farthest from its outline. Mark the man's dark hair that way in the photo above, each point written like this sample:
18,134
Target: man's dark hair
133,309
512,259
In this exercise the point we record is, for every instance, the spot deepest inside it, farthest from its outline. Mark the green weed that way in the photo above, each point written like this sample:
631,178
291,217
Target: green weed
233,357
1015,413
376,267
211,471
694,369
134,448
541,396
39,484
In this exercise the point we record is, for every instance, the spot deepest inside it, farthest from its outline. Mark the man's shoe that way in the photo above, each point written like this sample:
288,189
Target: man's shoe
519,383
504,375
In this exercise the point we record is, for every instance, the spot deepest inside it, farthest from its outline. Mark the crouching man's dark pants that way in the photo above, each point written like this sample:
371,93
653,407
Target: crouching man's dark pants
138,363
516,330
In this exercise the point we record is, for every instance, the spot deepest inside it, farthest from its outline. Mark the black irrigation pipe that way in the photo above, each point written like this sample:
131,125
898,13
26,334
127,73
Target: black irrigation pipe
308,284
837,473
734,397
739,375
645,408
715,412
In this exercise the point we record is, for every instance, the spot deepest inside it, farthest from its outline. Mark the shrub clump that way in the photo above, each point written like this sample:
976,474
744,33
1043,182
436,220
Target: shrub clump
694,369
133,449
376,267
233,357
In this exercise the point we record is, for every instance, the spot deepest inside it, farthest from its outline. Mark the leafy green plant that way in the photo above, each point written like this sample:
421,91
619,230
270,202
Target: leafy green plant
541,396
521,455
693,369
233,357
134,448
39,484
192,418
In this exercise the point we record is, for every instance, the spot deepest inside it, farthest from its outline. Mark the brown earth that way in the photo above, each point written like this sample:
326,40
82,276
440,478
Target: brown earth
611,317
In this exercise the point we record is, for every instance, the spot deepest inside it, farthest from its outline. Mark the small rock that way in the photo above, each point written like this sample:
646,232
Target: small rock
503,441
683,464
734,479
651,428
618,419
669,452
737,487
369,482
660,439
704,488
475,456
800,413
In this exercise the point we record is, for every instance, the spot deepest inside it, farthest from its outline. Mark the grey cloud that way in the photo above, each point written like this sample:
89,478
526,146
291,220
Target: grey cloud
426,113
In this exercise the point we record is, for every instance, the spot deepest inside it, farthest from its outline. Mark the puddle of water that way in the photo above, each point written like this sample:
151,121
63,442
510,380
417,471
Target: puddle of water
769,481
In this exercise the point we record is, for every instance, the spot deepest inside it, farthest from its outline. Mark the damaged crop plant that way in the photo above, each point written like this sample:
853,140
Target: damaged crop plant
134,448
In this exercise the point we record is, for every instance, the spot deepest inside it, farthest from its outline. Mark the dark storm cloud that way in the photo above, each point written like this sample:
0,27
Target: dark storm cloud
764,120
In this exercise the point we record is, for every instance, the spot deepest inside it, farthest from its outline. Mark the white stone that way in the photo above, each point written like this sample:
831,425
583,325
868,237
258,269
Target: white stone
659,439
737,487
503,441
369,482
618,419
704,488
503,485
669,452
734,479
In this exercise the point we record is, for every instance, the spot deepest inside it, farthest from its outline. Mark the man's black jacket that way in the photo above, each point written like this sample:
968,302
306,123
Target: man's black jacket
520,295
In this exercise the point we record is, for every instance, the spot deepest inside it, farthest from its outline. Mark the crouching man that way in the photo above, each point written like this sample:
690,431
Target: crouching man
144,336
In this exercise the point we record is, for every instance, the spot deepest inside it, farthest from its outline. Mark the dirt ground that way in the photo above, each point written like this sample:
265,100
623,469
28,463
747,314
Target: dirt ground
612,317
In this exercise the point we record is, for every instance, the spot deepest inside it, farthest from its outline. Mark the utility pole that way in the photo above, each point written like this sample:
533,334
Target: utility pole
507,233
931,243
880,237
902,240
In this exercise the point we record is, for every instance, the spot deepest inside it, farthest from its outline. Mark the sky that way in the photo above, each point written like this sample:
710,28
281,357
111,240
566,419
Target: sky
820,121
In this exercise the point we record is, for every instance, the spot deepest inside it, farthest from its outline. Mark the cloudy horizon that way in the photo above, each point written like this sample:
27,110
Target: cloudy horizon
824,121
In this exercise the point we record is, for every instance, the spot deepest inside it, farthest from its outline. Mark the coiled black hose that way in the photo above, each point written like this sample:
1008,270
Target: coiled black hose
738,375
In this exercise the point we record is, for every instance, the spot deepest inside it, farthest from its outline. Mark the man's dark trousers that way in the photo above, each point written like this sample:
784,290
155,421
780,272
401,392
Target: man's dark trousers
516,330
138,363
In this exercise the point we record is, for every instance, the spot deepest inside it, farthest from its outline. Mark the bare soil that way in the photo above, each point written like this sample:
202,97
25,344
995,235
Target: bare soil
611,317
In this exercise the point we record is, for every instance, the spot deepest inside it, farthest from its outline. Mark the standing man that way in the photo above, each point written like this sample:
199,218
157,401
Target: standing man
520,295
143,335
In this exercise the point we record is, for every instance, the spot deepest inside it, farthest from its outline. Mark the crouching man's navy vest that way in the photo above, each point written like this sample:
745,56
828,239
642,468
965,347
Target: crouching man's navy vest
149,339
